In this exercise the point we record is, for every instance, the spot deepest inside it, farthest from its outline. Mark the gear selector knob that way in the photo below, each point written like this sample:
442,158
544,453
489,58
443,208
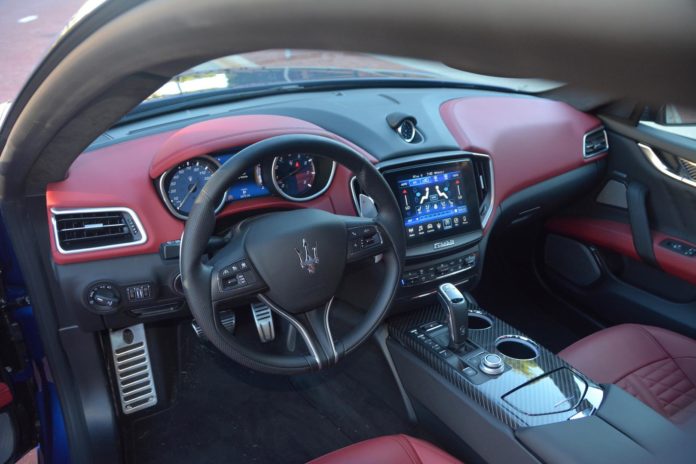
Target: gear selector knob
457,308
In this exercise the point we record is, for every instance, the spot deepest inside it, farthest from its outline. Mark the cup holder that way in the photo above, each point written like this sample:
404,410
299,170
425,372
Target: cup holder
516,347
479,321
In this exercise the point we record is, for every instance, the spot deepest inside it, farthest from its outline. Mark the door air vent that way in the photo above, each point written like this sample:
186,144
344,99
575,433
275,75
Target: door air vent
92,229
136,386
594,143
688,168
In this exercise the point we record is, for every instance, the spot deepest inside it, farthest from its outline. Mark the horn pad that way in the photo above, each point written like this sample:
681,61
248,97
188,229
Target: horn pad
300,254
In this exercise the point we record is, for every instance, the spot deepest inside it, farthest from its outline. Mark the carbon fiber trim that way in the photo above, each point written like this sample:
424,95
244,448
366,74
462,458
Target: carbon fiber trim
529,393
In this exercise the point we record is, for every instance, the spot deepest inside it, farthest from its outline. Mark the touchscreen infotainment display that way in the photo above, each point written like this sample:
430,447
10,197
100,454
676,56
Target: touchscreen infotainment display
436,200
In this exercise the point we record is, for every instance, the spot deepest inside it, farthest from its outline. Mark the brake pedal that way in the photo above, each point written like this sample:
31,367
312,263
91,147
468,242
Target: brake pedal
228,319
136,385
263,317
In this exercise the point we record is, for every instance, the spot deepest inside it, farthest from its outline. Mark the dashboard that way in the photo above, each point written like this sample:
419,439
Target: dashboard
482,160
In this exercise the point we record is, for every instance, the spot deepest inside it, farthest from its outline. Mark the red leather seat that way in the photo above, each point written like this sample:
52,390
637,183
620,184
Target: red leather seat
653,364
392,449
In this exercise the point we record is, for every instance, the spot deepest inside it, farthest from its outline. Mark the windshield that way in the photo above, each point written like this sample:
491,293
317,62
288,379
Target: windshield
279,69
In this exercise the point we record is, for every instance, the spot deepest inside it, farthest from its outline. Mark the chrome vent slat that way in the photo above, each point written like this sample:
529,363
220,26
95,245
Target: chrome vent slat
89,229
689,167
131,357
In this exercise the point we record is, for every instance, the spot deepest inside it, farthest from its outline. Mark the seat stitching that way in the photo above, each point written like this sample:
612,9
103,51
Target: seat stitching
665,350
639,368
658,396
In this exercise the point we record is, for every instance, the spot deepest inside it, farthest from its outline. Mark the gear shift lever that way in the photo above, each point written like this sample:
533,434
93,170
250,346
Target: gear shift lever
457,308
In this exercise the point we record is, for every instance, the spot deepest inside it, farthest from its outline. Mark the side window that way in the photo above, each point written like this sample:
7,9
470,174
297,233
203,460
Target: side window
674,119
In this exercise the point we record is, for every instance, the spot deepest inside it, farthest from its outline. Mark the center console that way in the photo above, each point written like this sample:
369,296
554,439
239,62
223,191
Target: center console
507,374
466,373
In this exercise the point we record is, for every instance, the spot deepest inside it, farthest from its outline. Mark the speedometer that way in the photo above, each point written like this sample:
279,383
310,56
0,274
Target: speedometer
181,185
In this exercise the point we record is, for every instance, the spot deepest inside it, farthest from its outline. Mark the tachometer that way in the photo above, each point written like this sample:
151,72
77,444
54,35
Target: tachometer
181,185
294,175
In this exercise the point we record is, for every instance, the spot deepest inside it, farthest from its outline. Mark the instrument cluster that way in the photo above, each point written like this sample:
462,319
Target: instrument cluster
293,176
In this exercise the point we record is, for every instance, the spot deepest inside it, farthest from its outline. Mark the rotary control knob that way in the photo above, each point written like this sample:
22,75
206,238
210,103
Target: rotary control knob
492,364
103,297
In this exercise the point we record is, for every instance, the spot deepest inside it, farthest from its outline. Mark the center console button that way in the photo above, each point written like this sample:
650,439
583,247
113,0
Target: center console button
492,364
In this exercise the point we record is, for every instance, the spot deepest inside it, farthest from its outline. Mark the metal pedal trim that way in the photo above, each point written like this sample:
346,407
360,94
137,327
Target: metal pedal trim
136,385
263,317
228,319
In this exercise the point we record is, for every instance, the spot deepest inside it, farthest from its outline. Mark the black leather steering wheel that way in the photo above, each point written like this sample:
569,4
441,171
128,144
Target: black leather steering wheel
292,260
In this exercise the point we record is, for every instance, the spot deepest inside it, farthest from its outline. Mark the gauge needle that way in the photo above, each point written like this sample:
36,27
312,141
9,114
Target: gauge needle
291,174
188,194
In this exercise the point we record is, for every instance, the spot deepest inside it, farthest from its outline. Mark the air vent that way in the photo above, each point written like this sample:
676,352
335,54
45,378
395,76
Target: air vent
594,143
483,173
405,126
91,229
689,168
407,130
133,373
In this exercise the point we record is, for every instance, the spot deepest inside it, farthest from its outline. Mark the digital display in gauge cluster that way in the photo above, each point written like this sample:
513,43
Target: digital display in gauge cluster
248,185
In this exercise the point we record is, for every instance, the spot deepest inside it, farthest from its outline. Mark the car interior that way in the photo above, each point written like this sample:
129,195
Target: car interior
348,267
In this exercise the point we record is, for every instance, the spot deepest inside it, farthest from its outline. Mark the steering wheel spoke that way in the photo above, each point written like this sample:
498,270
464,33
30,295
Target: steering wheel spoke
366,238
315,330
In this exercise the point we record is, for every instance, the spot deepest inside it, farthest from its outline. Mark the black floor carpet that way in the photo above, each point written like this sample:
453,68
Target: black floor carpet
226,413
511,290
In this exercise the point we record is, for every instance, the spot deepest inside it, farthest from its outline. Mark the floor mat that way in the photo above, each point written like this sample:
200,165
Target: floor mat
226,413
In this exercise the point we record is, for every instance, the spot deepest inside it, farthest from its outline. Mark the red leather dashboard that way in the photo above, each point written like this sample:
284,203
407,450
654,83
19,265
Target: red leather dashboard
616,236
529,139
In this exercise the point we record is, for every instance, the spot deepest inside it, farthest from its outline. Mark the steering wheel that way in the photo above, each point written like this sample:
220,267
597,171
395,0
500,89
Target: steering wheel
293,261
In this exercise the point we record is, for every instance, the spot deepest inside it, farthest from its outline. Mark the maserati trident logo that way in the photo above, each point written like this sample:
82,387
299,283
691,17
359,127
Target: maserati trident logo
309,258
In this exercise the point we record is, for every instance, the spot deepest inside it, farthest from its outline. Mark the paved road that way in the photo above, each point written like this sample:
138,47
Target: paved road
28,28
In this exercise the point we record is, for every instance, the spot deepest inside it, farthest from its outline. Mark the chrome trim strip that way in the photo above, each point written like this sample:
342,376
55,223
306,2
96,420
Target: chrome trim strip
328,328
165,197
584,138
121,209
426,294
297,199
522,340
657,163
296,324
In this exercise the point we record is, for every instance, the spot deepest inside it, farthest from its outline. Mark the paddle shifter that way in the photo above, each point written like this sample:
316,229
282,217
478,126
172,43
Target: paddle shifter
457,309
